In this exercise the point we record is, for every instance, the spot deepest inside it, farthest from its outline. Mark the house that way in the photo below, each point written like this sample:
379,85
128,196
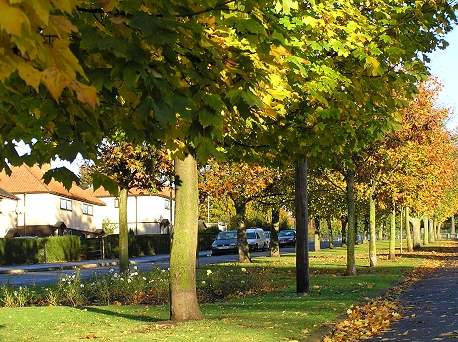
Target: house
49,209
8,213
147,213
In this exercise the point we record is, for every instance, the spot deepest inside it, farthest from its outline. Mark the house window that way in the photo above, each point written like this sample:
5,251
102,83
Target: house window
167,204
116,203
87,209
65,204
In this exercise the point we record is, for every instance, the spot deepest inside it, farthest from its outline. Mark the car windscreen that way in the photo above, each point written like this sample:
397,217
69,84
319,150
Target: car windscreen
226,236
283,233
251,235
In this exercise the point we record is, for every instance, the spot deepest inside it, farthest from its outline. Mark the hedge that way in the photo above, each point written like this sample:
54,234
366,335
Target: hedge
18,251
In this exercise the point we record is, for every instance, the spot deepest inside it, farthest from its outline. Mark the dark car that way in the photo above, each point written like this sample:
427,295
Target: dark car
287,238
225,242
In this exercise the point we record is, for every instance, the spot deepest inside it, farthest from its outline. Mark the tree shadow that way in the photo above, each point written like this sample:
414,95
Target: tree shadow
440,253
136,317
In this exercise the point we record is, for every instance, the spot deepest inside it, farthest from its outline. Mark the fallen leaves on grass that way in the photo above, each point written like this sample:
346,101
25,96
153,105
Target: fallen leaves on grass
373,317
365,320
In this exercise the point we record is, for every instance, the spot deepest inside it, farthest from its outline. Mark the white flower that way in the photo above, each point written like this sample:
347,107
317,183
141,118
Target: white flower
203,282
135,267
209,272
243,269
144,278
81,285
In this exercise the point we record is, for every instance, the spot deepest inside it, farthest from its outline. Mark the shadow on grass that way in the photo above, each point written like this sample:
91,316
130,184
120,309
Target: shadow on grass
135,317
434,252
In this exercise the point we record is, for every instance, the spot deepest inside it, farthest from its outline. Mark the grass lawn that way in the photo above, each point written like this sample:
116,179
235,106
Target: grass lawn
280,315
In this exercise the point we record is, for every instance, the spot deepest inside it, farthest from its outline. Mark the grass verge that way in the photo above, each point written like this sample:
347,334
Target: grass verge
279,315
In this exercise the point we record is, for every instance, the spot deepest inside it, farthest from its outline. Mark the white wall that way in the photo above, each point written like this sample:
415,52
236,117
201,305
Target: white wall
44,209
8,215
143,213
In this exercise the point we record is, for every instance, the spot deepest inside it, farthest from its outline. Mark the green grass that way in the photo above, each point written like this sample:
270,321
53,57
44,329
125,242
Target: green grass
280,315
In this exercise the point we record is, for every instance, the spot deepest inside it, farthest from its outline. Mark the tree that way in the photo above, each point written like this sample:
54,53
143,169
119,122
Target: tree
129,166
242,183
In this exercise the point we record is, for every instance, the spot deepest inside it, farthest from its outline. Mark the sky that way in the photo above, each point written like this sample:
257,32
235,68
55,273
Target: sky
444,65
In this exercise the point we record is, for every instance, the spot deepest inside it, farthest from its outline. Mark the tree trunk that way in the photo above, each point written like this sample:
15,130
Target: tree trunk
302,246
432,238
274,246
242,242
426,230
452,225
416,224
408,231
401,221
343,223
183,301
380,231
392,254
366,231
317,235
123,232
372,240
331,236
351,261
438,232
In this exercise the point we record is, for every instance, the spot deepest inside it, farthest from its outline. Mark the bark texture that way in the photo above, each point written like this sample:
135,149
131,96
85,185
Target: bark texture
183,296
351,261
302,246
274,246
123,232
372,232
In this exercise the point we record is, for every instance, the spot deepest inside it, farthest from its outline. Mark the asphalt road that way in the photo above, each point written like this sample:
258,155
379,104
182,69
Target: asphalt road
43,277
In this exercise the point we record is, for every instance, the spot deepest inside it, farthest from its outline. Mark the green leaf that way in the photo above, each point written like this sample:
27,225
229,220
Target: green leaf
61,174
99,179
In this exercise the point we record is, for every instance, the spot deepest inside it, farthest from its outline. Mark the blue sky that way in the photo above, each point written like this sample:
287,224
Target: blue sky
444,65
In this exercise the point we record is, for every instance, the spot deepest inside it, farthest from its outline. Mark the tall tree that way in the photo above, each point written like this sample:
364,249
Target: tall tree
129,166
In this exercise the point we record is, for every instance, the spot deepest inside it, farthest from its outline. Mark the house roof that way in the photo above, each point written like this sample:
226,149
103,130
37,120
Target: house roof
6,194
29,180
165,192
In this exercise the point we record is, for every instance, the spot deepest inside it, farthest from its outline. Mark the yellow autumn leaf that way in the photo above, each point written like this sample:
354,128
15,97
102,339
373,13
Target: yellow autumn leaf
86,94
29,74
66,60
55,81
12,19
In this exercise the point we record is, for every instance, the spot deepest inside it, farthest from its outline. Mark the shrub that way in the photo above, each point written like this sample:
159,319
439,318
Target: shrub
133,287
70,290
226,284
16,297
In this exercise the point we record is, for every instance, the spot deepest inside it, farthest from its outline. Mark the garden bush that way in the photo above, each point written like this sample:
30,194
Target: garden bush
134,287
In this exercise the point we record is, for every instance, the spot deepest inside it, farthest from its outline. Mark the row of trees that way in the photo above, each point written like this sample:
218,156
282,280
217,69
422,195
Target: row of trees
275,83
413,167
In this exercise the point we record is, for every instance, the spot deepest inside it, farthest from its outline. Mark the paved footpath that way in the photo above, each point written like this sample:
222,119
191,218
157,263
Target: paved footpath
430,308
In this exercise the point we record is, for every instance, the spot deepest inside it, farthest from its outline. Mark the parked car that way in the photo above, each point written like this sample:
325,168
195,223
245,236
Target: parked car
225,242
256,239
267,234
287,238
